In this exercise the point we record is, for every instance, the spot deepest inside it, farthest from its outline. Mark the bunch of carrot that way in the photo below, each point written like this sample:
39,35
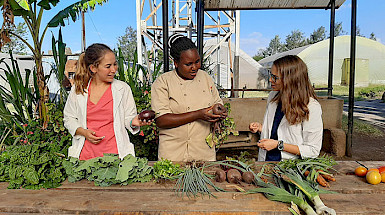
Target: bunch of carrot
314,169
321,177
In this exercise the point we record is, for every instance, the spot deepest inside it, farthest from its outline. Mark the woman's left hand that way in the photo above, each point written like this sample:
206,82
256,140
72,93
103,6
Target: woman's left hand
137,122
268,144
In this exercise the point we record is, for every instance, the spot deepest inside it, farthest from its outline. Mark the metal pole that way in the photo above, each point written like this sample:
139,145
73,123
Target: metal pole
139,32
83,33
200,26
331,46
236,55
165,35
177,16
349,141
218,51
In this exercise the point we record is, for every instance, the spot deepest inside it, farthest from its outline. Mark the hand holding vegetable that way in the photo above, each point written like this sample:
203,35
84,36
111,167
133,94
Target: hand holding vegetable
138,122
208,116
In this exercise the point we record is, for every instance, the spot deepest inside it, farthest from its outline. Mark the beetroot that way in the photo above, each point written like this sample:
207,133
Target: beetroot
248,177
220,175
147,115
219,109
234,176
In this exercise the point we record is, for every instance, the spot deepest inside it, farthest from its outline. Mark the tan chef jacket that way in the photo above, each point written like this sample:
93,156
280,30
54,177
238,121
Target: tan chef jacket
172,94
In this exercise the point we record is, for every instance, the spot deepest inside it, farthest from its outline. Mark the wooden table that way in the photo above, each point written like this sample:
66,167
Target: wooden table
354,196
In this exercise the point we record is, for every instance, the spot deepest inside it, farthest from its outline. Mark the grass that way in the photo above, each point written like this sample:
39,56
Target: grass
360,93
361,127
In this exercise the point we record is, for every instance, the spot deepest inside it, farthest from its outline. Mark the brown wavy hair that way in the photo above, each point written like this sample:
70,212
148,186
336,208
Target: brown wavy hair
92,56
296,88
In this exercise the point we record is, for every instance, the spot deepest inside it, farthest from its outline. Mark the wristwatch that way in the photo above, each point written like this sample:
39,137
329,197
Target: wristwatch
280,145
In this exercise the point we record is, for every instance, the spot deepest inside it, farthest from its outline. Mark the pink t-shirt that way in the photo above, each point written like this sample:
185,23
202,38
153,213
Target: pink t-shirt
101,120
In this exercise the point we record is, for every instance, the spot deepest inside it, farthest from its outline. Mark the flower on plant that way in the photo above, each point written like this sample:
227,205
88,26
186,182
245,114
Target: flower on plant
29,132
25,141
145,92
25,125
141,133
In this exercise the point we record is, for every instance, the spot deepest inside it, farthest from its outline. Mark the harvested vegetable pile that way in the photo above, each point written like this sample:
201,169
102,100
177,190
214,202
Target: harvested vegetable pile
109,169
193,182
165,169
314,169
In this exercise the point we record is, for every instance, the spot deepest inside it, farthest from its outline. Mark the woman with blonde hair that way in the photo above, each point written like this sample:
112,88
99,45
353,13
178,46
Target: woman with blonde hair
292,125
100,108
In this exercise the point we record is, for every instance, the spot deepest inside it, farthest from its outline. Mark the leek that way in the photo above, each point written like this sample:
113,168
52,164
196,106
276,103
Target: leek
313,194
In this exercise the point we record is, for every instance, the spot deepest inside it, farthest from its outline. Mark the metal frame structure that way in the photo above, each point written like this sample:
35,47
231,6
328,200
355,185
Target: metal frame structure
182,21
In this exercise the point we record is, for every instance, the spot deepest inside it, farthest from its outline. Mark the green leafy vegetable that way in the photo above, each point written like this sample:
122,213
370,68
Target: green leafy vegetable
109,169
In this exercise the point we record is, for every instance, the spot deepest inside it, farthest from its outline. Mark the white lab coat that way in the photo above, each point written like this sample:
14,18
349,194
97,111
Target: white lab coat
124,110
307,135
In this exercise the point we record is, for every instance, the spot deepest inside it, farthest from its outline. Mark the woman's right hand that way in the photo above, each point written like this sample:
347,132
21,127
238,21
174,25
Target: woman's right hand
255,127
90,135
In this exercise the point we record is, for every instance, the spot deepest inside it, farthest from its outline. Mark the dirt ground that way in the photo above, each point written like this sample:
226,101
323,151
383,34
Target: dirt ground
365,148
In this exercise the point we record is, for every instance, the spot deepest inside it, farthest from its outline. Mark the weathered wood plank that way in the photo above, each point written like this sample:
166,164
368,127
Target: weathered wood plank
354,196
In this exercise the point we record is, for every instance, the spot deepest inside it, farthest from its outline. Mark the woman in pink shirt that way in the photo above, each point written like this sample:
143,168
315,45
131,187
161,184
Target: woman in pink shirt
100,109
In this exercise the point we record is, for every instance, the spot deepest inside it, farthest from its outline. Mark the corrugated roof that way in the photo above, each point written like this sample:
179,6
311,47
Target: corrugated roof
268,4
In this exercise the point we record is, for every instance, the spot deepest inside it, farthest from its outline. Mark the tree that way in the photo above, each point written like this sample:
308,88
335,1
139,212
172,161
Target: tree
127,43
295,39
358,31
17,46
317,35
32,12
372,36
338,31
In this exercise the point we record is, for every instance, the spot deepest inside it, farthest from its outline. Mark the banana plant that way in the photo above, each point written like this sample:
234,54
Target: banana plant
60,63
32,12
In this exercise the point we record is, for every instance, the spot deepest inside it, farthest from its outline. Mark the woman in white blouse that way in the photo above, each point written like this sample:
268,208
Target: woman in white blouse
292,125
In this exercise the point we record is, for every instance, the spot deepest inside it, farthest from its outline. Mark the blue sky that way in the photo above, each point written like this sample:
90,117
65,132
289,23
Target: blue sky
258,27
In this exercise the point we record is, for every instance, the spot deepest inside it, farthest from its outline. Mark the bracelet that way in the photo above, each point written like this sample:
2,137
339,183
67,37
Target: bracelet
133,127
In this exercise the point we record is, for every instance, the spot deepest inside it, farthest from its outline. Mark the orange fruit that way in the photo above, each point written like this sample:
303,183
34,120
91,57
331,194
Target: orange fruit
373,169
360,171
383,177
373,177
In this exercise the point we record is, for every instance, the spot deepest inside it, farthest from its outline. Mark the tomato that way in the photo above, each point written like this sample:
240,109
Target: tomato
383,177
360,171
373,177
381,169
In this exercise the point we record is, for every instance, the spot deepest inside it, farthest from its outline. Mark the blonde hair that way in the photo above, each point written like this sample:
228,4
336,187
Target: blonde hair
92,56
296,88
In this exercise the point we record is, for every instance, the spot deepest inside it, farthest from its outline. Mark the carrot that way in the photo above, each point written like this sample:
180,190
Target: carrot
327,176
321,180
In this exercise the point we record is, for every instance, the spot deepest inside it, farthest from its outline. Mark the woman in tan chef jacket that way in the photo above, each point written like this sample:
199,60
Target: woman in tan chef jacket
182,100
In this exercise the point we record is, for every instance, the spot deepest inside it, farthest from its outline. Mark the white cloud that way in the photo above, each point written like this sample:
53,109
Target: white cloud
253,42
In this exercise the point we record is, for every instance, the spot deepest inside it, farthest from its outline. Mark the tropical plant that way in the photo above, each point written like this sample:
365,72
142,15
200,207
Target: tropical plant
17,101
32,13
60,64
